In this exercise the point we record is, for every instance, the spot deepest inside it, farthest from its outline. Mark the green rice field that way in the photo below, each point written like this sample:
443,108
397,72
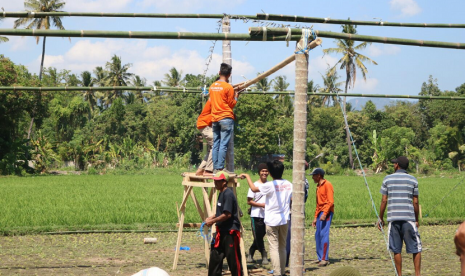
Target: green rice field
142,202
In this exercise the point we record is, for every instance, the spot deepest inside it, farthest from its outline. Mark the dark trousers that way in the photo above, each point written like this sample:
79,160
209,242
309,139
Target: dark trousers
228,248
258,231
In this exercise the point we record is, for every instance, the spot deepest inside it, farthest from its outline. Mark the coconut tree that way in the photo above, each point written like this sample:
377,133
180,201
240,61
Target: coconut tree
263,84
350,61
118,75
173,78
90,96
43,22
330,85
140,95
2,38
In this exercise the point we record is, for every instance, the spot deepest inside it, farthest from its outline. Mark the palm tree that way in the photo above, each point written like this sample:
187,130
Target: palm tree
173,78
100,76
44,22
140,95
350,61
2,38
286,105
90,96
117,76
263,84
330,85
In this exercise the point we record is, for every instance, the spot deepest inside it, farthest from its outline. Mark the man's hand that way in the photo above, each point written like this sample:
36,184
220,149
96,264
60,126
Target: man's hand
314,223
417,224
380,224
323,217
210,220
243,176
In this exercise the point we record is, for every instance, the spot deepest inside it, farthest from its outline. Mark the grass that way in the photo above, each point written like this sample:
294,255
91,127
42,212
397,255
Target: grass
136,202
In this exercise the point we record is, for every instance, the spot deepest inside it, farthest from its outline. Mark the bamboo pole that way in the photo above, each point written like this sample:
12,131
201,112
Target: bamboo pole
198,90
306,19
260,16
258,31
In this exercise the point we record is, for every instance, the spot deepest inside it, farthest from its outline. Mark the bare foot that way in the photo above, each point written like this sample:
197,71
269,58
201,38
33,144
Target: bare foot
199,172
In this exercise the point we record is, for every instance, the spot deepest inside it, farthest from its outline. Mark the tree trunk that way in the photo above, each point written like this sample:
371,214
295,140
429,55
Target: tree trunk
298,174
42,62
228,60
40,78
349,144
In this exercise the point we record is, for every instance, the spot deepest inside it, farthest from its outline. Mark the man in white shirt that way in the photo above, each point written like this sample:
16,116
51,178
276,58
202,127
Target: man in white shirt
277,209
257,216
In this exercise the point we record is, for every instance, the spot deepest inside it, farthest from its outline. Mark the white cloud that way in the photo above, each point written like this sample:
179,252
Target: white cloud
96,5
406,7
149,62
367,86
378,50
18,43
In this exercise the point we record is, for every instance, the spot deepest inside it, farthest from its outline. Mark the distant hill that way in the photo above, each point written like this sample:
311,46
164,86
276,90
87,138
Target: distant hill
380,103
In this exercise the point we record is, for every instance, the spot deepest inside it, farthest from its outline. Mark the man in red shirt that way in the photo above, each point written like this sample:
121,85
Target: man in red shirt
223,99
323,214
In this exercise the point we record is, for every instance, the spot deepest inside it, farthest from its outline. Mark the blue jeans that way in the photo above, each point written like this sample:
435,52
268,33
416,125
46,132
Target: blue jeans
222,131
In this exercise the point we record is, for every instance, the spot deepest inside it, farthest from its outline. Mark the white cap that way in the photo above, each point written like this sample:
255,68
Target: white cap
153,271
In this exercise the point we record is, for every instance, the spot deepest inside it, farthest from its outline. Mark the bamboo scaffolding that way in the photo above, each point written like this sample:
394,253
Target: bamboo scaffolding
194,90
306,19
258,31
260,16
256,34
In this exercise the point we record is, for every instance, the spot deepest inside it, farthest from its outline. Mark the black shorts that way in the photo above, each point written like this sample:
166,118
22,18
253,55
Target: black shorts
404,231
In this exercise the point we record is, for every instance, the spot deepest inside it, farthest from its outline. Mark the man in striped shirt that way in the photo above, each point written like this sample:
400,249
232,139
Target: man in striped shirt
400,193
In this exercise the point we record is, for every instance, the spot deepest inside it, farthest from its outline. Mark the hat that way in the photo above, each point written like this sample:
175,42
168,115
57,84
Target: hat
221,175
318,171
402,161
345,271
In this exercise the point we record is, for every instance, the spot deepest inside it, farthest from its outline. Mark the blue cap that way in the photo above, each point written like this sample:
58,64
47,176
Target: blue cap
318,171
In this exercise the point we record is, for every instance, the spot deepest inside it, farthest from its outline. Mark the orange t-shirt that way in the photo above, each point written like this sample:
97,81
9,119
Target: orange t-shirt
222,100
205,117
324,198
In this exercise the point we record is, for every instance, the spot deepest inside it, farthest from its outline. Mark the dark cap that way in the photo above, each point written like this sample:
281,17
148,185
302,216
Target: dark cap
318,171
402,161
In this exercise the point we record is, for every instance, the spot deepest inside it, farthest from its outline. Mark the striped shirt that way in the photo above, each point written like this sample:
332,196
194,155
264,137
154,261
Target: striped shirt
400,188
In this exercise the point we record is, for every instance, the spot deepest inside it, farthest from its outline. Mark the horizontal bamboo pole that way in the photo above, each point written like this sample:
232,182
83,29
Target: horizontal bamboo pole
306,19
258,31
199,90
256,34
142,35
260,16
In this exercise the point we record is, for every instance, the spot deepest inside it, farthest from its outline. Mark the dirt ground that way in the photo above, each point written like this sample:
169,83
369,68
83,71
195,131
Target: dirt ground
125,254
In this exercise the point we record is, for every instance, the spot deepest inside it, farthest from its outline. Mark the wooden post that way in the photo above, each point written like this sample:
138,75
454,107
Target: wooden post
226,26
300,136
187,190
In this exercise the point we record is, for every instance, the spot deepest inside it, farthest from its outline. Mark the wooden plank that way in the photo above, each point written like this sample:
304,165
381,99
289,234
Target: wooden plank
207,203
206,184
181,223
197,205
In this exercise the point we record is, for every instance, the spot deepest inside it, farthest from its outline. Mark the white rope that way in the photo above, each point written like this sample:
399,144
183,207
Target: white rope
264,33
266,17
366,183
288,36
154,88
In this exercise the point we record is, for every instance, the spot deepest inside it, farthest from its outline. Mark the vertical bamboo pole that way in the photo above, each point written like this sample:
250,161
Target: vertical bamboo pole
298,174
226,27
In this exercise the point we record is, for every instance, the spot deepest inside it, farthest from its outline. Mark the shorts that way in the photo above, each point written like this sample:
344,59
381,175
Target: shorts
404,232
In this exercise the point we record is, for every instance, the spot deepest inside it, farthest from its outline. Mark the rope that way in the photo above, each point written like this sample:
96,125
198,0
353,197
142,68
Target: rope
206,235
288,36
366,182
305,36
461,181
264,34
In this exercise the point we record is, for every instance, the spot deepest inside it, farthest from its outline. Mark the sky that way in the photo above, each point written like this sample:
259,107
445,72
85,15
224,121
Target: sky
400,70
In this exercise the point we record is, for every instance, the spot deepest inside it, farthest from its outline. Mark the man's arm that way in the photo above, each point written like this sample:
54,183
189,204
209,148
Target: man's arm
232,97
381,211
249,181
212,220
251,202
416,208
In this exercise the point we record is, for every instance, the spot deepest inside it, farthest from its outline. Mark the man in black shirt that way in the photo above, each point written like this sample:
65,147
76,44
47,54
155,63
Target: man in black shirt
226,243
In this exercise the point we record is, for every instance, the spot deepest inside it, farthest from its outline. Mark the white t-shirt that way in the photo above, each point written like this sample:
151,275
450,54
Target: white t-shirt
257,212
278,198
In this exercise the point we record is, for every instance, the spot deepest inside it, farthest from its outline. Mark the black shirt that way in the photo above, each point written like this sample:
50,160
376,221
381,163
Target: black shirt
227,202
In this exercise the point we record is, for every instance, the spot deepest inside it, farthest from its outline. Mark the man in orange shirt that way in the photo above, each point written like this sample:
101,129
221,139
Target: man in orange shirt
223,99
323,214
204,124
